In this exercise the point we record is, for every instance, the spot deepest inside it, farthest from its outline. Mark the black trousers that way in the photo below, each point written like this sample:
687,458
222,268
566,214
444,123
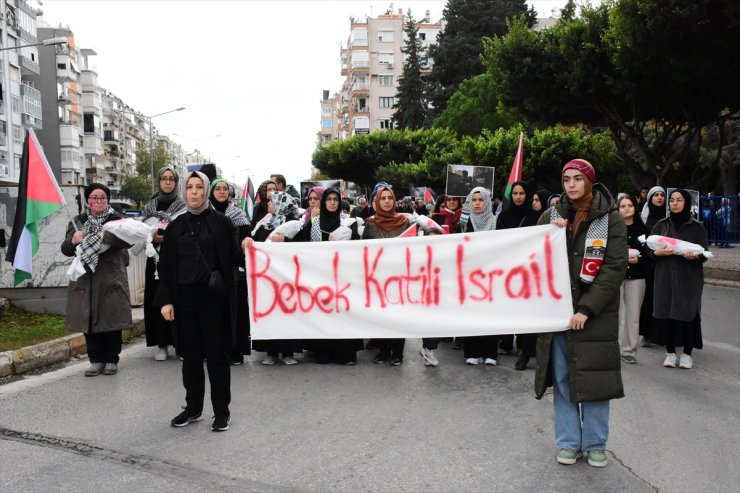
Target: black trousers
104,347
203,329
527,343
430,342
392,347
481,347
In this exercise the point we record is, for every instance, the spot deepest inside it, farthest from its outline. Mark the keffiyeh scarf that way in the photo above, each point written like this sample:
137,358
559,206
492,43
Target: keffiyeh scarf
92,239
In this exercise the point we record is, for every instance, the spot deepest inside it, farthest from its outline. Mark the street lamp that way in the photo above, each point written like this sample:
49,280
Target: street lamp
151,139
46,42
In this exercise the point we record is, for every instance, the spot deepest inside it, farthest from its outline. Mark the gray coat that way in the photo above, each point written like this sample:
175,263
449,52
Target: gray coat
99,301
678,281
594,366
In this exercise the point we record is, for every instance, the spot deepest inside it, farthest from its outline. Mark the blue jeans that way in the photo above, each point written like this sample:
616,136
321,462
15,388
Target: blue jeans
579,427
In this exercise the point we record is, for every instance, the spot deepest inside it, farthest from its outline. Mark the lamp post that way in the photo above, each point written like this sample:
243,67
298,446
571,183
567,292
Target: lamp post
46,42
151,139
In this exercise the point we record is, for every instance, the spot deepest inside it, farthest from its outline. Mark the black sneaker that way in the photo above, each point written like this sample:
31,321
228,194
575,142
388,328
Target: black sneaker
221,422
396,361
380,358
186,417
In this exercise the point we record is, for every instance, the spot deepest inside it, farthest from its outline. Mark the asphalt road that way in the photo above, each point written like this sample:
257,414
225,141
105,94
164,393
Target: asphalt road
375,428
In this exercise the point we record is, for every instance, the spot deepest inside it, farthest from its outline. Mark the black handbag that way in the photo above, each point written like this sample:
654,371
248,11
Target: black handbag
216,284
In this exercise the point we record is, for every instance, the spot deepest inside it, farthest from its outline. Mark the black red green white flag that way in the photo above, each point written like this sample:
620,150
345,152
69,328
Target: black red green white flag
39,196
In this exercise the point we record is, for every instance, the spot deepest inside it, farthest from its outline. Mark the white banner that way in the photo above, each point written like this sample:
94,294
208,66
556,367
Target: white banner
512,281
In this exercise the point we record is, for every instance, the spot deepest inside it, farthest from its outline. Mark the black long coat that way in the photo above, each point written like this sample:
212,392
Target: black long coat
679,282
228,256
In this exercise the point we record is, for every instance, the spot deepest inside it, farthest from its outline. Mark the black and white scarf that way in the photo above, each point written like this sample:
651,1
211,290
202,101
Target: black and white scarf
150,209
237,216
92,238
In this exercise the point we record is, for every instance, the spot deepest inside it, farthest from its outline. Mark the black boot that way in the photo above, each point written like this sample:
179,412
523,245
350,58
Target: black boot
521,362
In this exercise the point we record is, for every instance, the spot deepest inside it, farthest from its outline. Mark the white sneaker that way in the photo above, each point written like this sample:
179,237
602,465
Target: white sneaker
670,360
290,360
429,358
161,354
686,362
473,361
270,360
490,362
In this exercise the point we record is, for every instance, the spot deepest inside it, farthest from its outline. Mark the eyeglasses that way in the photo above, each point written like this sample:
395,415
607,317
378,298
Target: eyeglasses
168,180
332,199
98,199
217,189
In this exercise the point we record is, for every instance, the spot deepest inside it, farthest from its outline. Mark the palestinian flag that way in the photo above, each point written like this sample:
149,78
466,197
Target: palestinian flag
39,196
516,170
429,196
247,201
412,231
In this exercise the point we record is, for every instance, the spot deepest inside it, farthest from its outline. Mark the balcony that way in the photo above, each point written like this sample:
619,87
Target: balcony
3,140
360,64
29,66
32,121
360,87
69,135
359,42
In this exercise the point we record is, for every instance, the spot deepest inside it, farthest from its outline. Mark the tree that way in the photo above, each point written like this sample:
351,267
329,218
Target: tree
653,73
137,186
473,107
457,52
411,103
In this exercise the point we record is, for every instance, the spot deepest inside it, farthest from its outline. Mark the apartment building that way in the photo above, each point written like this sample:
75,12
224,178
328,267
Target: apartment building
372,62
20,100
328,119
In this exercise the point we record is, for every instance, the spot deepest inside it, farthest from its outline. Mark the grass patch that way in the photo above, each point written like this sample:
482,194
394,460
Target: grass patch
19,328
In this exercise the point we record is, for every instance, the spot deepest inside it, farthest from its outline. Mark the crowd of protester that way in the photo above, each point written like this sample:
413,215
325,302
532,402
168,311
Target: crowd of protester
196,291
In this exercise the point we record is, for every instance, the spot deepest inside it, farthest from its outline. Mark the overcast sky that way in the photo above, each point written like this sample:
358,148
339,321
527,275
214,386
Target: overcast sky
250,71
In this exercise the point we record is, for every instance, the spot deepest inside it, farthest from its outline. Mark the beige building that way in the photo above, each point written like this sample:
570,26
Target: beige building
372,62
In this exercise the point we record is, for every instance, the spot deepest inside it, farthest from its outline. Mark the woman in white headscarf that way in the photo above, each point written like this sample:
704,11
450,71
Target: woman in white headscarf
197,291
478,216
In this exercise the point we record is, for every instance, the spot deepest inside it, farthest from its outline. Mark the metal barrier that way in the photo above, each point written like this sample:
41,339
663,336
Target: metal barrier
136,271
719,214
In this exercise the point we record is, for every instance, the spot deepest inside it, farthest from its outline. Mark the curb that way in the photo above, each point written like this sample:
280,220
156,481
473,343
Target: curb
29,358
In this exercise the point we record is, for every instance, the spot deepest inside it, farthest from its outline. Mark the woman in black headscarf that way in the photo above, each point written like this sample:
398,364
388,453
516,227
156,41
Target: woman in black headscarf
518,214
199,247
162,208
220,198
679,282
319,228
540,201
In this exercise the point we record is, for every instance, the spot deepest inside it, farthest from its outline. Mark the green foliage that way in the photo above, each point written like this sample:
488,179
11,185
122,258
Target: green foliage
457,52
653,73
411,102
420,157
473,107
137,187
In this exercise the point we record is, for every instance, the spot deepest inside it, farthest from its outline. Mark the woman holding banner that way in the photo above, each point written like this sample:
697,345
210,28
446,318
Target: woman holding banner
320,228
281,208
261,200
583,363
519,213
386,223
478,216
220,199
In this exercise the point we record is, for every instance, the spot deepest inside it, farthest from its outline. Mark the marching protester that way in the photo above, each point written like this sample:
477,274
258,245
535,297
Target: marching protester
281,208
314,202
220,199
98,302
448,212
197,292
539,201
386,223
261,200
653,211
519,213
161,208
582,364
633,288
319,228
679,282
478,216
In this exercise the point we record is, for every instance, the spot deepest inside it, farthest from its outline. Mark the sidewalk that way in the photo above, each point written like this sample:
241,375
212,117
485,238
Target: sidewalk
723,269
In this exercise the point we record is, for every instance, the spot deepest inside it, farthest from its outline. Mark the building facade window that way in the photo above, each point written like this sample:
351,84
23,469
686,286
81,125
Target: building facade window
15,104
386,124
17,134
385,80
385,102
385,36
385,58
